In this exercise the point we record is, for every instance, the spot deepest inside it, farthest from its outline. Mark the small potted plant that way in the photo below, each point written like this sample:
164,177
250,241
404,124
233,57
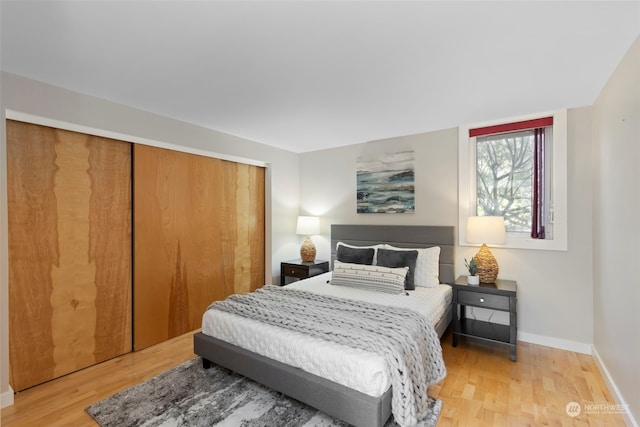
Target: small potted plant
472,278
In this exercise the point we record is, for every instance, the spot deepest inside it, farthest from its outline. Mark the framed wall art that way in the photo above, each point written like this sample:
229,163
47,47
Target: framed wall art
385,183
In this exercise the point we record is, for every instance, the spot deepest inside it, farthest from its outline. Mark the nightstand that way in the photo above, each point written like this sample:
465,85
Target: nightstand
499,296
302,270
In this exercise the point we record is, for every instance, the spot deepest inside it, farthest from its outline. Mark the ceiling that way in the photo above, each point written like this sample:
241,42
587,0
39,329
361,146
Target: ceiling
306,75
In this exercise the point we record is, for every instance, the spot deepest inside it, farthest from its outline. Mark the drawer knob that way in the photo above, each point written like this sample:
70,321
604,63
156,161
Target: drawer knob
481,299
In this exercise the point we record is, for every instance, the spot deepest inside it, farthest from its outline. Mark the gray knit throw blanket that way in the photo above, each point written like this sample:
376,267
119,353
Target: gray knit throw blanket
404,338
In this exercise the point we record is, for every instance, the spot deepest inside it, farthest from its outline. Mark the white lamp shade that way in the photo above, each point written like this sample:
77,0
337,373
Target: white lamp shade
486,229
308,225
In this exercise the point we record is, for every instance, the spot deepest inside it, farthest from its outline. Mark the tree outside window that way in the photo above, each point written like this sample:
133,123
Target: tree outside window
504,171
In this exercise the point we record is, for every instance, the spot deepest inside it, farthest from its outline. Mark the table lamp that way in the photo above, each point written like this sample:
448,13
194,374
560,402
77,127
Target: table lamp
308,225
486,229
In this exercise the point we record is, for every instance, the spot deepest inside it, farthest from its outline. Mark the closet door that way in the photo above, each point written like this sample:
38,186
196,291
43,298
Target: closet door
198,237
69,204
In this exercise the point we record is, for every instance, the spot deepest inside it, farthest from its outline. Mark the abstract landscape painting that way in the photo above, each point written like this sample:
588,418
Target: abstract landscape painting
386,184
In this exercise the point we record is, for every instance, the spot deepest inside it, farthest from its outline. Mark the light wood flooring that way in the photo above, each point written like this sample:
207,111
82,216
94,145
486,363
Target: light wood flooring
482,388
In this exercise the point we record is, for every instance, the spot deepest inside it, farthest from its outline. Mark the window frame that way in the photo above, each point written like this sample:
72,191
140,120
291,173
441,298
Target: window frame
558,187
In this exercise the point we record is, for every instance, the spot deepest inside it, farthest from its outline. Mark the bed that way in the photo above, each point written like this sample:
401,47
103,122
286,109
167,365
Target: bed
345,402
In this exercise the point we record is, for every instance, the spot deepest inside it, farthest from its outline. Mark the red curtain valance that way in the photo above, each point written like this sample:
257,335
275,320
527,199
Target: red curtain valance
512,127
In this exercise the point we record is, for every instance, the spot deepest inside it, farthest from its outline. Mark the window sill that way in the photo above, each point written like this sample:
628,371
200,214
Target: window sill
514,242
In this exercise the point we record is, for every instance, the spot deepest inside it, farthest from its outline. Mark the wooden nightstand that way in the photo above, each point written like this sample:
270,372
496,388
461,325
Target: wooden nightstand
499,296
302,270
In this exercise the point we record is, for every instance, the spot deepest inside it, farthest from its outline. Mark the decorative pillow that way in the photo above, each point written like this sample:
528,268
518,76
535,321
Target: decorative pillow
374,247
354,254
370,277
391,258
427,271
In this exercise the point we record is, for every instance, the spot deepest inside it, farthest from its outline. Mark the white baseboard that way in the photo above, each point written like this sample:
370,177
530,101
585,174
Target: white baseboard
617,396
6,398
578,347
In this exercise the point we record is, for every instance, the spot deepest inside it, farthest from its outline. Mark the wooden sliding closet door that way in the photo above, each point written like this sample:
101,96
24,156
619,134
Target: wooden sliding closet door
69,203
198,237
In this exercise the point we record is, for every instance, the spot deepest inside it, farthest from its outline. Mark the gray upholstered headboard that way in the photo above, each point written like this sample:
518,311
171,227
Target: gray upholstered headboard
403,236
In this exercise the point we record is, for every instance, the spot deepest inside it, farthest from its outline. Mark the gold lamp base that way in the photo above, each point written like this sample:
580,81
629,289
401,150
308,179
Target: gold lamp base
487,265
308,250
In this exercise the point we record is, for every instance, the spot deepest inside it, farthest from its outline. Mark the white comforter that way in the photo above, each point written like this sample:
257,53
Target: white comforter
357,369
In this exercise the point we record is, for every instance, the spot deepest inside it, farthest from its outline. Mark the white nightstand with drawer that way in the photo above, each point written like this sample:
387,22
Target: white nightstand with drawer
501,296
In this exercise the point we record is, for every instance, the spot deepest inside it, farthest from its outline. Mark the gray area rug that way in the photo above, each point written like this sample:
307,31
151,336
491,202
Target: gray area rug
189,395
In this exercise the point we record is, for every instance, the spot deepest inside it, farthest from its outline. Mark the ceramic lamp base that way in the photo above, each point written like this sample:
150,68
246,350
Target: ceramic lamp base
308,250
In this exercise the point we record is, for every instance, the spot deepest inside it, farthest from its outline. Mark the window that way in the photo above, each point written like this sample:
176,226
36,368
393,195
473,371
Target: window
517,169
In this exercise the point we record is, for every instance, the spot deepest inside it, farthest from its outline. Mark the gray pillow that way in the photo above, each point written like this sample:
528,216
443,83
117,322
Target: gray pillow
393,259
355,255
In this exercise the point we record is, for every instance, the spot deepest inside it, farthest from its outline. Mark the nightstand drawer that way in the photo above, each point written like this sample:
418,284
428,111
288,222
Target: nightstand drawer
299,269
496,302
295,271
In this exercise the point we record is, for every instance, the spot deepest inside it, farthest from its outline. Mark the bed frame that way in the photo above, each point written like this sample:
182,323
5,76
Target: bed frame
334,399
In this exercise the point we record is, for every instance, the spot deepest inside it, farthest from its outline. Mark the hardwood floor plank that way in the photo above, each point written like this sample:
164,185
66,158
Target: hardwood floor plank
61,402
482,388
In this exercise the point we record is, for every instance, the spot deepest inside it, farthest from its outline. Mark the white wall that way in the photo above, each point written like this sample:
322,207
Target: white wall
555,290
28,97
328,183
616,227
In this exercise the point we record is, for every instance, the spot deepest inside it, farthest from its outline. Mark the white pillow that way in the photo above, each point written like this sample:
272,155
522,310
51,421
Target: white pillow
427,265
374,247
369,277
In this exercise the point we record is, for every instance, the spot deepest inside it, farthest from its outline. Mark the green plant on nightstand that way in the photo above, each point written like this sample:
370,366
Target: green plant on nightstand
472,266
